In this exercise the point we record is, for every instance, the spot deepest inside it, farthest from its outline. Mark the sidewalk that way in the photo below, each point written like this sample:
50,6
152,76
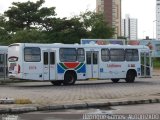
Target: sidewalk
21,108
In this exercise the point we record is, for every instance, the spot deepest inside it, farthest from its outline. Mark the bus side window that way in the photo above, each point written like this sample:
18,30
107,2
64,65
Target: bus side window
105,55
80,55
117,55
32,54
131,55
68,54
88,56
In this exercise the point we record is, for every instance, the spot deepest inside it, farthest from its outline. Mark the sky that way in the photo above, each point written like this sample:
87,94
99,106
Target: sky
143,10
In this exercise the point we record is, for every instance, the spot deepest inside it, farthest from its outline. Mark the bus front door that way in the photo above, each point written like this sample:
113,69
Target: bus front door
146,65
49,67
92,66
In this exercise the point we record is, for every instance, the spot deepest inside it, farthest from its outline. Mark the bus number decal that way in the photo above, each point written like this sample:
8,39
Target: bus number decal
32,67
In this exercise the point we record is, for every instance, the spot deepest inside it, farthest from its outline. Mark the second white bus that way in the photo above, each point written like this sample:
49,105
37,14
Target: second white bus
3,61
66,63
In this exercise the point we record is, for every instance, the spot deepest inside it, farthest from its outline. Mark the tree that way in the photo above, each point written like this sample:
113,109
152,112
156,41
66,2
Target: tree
96,25
27,15
100,30
66,30
30,22
4,35
87,25
28,36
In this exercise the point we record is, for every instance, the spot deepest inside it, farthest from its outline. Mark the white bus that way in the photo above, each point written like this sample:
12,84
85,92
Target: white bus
66,63
3,61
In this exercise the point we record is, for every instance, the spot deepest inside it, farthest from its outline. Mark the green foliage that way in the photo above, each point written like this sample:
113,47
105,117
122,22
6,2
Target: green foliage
67,31
28,36
96,25
100,30
27,15
2,21
30,22
156,63
4,36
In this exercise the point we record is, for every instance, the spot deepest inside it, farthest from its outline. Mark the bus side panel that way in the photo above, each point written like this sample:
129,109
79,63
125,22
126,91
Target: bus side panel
32,71
113,70
81,72
118,69
79,68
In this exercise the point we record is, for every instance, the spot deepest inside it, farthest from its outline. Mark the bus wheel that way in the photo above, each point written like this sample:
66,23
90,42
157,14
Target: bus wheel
115,80
130,77
57,83
69,78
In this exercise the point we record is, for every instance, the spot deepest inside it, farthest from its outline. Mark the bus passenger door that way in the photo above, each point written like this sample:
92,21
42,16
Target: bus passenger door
146,66
49,65
92,67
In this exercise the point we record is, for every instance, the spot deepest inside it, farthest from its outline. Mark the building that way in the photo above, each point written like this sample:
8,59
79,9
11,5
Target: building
129,28
112,12
157,20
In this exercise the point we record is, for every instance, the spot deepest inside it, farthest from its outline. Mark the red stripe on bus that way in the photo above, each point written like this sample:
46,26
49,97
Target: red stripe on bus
71,65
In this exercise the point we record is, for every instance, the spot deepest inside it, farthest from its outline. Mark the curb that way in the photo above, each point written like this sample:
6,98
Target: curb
76,105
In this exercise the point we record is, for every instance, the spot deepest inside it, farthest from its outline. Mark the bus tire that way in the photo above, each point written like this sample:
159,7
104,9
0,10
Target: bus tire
130,77
69,78
115,80
56,83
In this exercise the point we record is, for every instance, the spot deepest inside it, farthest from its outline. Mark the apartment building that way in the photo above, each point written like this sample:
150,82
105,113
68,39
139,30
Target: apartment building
112,12
157,20
129,28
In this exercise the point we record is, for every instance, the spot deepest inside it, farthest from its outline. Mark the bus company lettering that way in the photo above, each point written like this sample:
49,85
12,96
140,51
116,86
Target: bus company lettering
32,68
113,65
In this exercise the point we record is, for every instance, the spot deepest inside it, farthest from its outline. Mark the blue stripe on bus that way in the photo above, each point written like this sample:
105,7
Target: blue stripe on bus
82,69
60,69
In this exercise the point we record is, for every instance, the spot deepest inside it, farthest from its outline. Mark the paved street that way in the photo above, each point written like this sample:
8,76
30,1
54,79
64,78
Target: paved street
46,93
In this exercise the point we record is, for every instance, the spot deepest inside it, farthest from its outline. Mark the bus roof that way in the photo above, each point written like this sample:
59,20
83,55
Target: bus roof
57,45
5,48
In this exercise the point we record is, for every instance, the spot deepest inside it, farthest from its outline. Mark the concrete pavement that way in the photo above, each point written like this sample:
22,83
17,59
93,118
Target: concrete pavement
33,96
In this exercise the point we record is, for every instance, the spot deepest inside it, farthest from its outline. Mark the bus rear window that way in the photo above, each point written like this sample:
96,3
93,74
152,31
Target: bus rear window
32,54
